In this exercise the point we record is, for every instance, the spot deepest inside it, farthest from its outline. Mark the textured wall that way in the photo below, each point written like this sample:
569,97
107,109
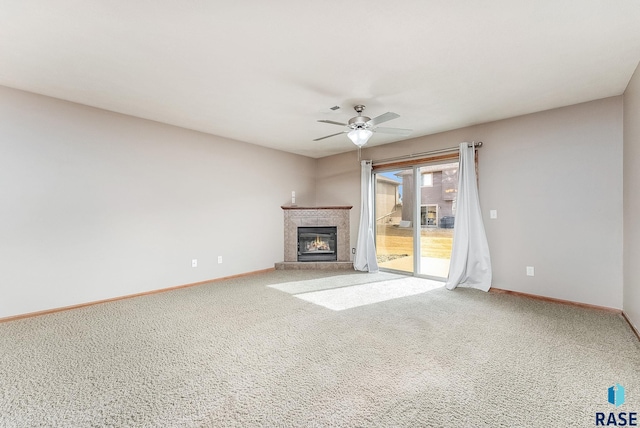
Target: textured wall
97,205
555,178
632,200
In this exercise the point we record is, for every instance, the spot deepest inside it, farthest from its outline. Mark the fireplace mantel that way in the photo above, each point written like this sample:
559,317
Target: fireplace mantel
305,216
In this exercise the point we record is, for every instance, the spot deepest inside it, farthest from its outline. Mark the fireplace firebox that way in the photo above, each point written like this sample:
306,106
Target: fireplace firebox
317,244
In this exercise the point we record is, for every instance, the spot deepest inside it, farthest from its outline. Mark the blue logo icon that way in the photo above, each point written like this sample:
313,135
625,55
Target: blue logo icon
616,395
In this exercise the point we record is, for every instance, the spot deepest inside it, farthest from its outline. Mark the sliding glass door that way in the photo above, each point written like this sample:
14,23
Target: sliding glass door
415,214
438,187
394,220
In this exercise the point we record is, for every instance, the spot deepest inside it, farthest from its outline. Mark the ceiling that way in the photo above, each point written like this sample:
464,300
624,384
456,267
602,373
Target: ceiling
265,72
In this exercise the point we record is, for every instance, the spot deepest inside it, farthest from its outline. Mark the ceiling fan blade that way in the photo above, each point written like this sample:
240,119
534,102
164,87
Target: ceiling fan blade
332,135
383,118
333,122
395,131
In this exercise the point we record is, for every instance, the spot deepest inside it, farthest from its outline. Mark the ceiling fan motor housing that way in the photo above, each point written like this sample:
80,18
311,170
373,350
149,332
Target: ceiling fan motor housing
364,123
359,122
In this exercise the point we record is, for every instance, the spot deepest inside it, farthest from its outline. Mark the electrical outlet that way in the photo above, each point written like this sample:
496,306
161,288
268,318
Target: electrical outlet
353,251
530,271
194,263
219,259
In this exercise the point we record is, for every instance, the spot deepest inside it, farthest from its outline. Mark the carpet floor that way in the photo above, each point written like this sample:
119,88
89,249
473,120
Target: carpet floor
264,351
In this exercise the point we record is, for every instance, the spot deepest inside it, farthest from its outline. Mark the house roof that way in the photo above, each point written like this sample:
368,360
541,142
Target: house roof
265,72
388,180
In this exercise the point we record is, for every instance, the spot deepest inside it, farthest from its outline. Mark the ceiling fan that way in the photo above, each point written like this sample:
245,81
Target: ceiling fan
361,128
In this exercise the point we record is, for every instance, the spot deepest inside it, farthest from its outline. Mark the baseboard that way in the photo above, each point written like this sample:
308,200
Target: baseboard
551,299
130,296
633,328
568,302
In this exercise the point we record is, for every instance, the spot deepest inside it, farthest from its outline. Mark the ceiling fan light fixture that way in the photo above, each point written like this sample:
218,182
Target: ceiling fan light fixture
360,136
361,128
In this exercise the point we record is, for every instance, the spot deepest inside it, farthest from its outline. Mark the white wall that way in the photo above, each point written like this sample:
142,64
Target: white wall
555,178
632,200
96,205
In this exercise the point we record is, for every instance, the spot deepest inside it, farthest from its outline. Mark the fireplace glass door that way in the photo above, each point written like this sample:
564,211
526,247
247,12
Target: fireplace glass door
317,244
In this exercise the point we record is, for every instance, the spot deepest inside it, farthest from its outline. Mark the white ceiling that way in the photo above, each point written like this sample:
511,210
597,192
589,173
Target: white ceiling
264,72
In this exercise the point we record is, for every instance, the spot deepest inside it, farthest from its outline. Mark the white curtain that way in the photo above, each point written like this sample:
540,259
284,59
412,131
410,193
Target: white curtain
365,259
470,259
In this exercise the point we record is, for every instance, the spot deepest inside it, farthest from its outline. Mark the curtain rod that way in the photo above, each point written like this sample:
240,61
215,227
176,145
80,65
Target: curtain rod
418,155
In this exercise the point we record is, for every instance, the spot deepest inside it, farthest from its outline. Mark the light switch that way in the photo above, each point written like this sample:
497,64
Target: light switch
493,214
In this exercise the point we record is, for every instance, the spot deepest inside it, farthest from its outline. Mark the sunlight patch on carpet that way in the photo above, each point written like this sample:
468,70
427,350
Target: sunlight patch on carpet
337,281
340,295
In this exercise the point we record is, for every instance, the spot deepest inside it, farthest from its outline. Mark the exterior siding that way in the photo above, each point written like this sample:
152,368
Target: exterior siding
441,193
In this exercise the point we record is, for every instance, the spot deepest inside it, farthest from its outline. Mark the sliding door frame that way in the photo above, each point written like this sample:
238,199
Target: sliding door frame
376,214
415,166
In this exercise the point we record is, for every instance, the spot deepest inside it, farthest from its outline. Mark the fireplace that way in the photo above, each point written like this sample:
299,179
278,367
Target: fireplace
317,244
314,218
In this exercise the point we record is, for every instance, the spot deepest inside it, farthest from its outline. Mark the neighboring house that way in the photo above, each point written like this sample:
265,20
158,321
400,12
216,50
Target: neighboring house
388,203
438,190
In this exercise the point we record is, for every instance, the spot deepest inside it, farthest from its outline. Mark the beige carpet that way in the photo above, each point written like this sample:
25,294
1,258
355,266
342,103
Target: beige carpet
244,353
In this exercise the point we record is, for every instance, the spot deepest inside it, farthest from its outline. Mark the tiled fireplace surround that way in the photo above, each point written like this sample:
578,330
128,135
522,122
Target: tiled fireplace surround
295,217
